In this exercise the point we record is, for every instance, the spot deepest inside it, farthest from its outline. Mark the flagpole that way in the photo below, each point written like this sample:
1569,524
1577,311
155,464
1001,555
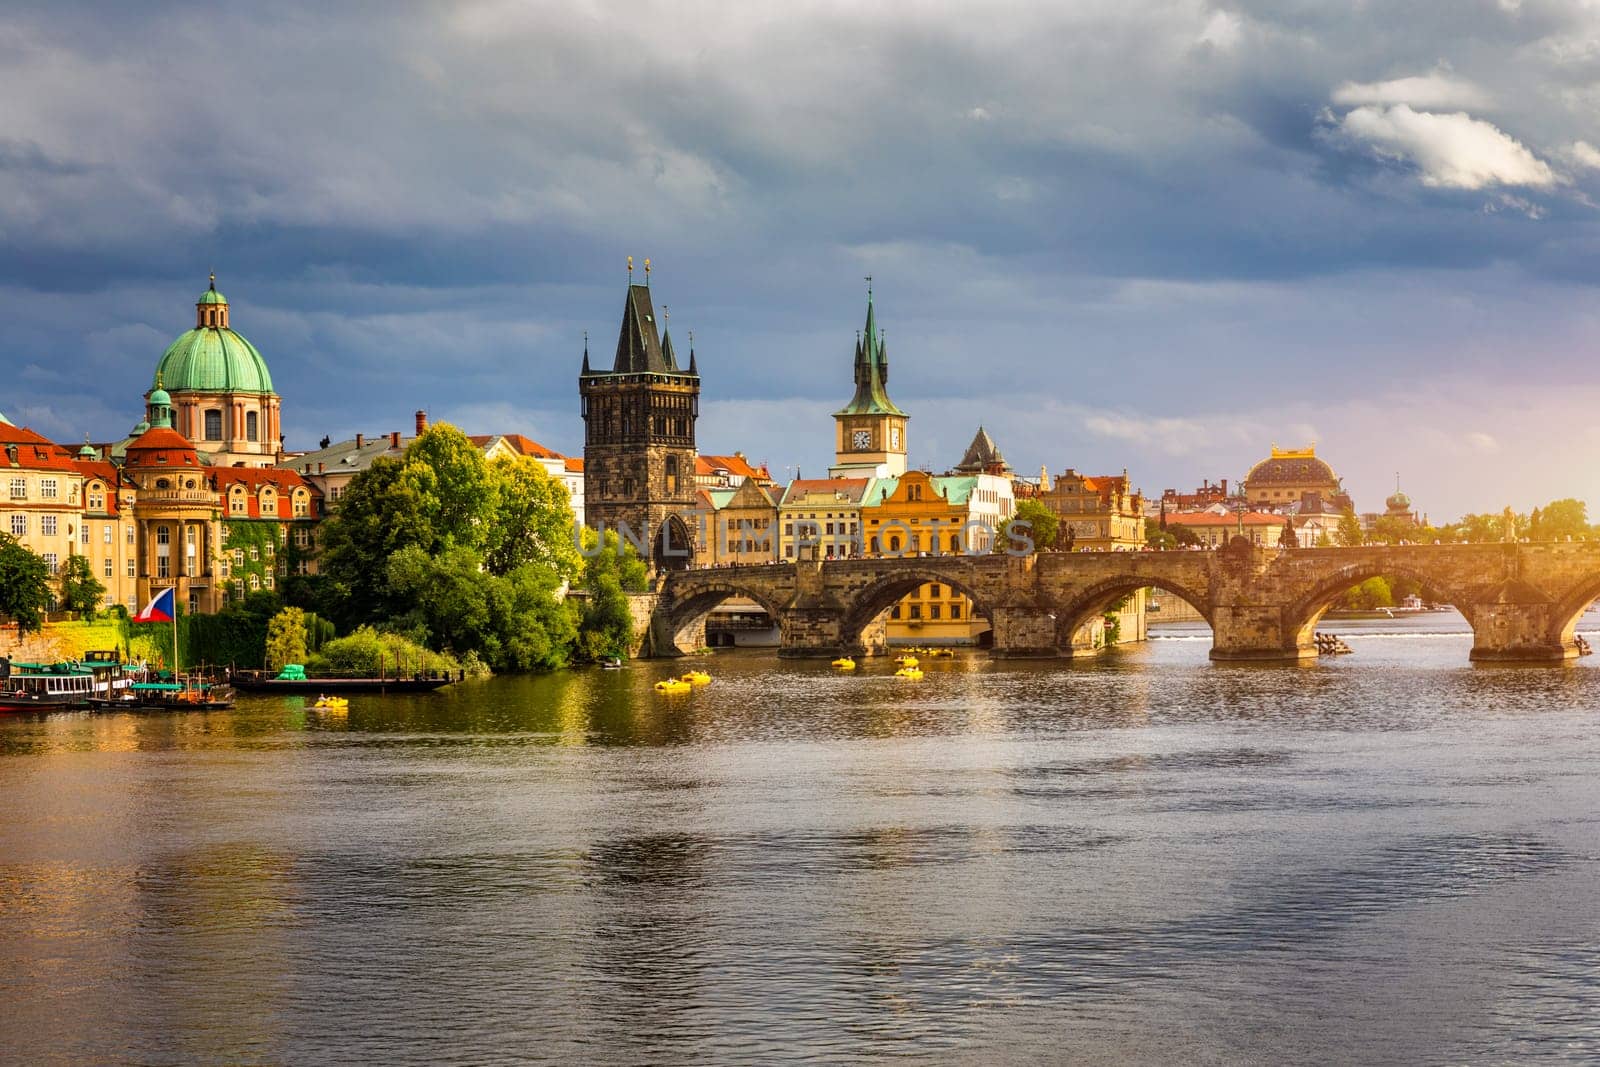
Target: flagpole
174,635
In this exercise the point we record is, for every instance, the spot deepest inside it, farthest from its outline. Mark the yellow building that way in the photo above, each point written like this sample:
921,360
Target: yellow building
43,502
734,526
821,517
919,513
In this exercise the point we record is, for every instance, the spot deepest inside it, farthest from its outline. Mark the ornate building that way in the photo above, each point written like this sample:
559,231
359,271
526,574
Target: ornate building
221,393
1280,480
639,422
870,432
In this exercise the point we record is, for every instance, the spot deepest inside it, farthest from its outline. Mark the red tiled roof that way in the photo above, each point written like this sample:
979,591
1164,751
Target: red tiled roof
161,447
33,452
852,488
526,446
573,463
735,465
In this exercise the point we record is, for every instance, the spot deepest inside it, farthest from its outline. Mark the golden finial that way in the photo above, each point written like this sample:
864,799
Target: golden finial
213,281
630,270
647,270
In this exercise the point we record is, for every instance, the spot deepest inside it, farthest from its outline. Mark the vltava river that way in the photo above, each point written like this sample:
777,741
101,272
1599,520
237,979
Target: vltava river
1387,857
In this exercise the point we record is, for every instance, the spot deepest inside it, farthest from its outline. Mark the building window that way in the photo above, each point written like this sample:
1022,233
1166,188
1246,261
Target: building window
934,592
48,488
47,525
106,533
50,562
106,567
269,506
955,610
19,489
163,535
302,537
251,422
255,553
255,582
933,611
83,534
163,566
672,475
19,525
237,505
133,568
916,611
213,425
238,557
302,505
130,534
894,612
97,502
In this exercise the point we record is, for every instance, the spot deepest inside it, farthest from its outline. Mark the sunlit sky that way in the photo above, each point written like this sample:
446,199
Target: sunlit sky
1153,236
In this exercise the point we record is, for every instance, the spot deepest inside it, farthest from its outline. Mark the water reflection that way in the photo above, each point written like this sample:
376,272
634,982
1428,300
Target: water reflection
1388,856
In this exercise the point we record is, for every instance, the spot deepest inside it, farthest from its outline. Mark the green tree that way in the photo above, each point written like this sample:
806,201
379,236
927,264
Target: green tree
1348,531
24,585
1391,531
1369,595
610,572
1183,535
1157,538
533,519
379,514
1559,520
286,638
1043,525
449,483
81,592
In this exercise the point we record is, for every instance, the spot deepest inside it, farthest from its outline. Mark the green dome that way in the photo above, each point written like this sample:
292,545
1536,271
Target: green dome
213,360
211,296
159,395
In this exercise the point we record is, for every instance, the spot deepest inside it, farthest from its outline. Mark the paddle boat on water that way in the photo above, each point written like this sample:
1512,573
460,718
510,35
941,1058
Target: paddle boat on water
673,687
333,703
696,678
906,661
913,674
845,663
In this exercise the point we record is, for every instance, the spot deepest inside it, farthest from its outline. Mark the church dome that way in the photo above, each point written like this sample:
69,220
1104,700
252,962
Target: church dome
161,447
211,358
1291,468
1398,502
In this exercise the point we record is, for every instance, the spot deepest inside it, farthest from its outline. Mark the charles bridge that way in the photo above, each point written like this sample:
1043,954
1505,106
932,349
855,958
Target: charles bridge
1263,604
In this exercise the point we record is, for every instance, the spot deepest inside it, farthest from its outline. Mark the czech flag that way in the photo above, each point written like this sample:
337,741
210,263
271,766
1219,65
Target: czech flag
162,608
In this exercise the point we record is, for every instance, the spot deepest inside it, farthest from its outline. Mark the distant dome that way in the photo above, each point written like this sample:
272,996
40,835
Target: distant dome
1297,468
212,358
1398,502
159,395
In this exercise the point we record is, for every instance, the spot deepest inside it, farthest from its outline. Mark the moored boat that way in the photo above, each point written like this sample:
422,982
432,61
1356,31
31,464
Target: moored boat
41,687
265,682
190,695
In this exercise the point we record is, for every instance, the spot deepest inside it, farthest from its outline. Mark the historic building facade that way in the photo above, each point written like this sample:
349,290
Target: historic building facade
1285,476
1098,513
639,436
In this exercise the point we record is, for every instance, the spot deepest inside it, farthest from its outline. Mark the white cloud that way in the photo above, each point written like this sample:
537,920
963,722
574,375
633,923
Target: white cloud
1479,441
1452,151
1436,90
1584,155
1221,30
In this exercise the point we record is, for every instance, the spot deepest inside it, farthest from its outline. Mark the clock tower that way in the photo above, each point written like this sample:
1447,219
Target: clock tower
870,432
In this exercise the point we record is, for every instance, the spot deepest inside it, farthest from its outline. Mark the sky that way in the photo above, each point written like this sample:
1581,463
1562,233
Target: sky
1156,236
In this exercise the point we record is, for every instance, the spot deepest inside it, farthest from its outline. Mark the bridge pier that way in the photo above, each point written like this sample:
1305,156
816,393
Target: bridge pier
817,633
1023,633
1530,632
1245,633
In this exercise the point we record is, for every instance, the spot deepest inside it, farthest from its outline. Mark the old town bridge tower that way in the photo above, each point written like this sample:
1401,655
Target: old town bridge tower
638,448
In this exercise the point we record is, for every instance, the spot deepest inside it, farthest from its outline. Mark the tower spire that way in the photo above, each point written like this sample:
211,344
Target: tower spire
586,352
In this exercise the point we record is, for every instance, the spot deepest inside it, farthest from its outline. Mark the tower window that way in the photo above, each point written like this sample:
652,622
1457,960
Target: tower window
252,422
213,425
672,475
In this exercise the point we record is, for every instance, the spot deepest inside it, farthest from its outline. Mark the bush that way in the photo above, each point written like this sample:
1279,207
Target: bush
367,651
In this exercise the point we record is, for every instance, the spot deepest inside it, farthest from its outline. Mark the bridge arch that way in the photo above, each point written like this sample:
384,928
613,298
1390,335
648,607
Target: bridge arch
1570,608
694,598
874,599
1086,604
1302,616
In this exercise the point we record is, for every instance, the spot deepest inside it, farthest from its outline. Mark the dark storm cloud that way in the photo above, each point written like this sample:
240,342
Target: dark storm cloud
1168,212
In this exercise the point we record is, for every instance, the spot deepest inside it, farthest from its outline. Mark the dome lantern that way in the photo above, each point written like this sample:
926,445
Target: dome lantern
211,310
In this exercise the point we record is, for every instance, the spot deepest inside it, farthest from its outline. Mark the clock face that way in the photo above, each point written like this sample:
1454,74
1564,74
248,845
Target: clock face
894,437
861,439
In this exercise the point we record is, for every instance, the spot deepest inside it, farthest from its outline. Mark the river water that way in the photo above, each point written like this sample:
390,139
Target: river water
1385,857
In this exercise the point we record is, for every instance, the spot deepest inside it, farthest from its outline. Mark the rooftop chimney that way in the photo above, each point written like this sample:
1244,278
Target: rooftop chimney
394,439
361,439
422,423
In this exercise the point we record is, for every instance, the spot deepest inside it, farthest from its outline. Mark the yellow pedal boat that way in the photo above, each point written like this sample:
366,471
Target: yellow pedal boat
332,703
907,661
696,678
673,686
845,664
912,673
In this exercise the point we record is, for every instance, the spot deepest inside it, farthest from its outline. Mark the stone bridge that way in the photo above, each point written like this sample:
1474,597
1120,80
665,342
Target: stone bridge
1263,604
